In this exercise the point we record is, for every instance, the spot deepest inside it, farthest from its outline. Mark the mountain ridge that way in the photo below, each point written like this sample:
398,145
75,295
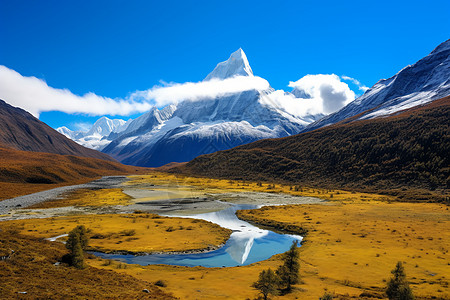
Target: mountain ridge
22,131
424,81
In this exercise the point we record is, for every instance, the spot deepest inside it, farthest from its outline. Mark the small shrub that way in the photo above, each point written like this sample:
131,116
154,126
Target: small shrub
326,296
161,283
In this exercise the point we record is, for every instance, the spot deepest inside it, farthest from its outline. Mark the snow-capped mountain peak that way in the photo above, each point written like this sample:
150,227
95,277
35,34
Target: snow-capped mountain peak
67,132
96,137
104,126
236,65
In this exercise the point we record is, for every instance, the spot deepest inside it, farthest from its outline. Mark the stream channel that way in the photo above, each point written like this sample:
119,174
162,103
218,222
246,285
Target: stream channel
247,244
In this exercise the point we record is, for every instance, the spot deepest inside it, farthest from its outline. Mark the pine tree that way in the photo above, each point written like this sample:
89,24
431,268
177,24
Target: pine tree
77,242
267,283
289,270
78,257
398,288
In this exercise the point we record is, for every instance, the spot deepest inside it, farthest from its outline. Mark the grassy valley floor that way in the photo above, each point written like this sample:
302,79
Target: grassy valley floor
355,244
353,240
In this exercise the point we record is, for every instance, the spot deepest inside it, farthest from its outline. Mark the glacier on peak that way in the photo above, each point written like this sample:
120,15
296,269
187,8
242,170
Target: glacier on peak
236,65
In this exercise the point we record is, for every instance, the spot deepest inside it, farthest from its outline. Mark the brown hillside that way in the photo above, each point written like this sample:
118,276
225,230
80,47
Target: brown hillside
408,150
20,130
30,273
24,172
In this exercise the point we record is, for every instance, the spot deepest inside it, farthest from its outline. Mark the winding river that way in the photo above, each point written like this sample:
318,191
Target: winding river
247,244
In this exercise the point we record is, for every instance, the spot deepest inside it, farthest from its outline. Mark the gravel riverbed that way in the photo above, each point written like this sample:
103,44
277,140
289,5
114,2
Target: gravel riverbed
24,201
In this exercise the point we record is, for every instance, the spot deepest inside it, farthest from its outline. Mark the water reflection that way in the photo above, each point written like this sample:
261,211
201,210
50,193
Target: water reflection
244,234
247,244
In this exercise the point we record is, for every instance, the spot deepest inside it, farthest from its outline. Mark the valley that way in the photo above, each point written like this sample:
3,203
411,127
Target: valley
351,240
128,172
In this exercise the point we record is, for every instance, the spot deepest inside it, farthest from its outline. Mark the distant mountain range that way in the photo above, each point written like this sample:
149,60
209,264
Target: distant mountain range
96,137
179,133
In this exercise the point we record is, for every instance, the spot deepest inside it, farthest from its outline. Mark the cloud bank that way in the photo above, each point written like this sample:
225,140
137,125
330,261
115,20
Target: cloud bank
192,91
312,94
35,96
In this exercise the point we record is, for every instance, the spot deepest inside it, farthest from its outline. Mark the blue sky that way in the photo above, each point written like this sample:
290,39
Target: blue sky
113,48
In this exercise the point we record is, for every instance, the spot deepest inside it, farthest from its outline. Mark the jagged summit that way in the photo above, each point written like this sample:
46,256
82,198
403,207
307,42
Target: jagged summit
236,65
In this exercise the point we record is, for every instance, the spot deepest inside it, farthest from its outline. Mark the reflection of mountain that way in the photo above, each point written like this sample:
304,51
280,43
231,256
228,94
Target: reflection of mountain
239,248
241,240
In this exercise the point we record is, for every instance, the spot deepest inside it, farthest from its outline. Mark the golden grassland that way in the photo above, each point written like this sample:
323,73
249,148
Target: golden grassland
88,197
352,244
209,185
353,241
130,232
31,269
357,244
199,282
349,250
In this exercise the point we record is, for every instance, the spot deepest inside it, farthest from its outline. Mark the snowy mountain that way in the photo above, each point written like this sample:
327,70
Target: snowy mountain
178,133
237,64
96,137
425,81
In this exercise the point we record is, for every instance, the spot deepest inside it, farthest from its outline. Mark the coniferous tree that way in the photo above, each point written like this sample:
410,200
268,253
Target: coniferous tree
289,270
398,288
77,243
78,257
267,283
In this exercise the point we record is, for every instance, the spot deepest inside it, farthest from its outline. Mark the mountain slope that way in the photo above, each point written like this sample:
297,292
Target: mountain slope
191,128
21,131
409,150
425,81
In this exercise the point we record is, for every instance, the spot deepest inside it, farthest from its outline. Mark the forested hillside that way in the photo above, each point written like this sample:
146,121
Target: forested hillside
400,154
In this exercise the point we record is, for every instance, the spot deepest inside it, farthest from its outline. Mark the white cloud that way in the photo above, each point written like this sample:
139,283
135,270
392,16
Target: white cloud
361,86
176,92
314,94
35,96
